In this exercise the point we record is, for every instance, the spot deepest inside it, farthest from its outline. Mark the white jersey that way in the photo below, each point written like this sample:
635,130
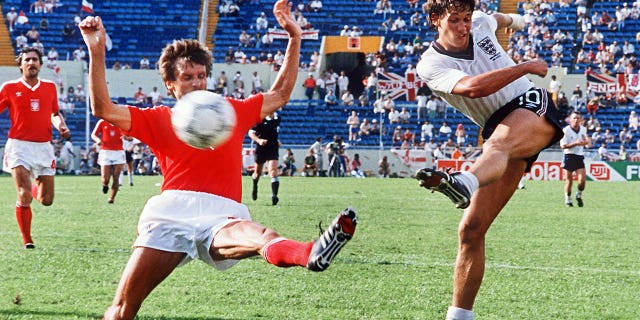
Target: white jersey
442,70
571,136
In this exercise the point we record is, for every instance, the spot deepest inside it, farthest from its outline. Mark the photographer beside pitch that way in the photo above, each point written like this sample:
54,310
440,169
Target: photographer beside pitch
468,68
198,215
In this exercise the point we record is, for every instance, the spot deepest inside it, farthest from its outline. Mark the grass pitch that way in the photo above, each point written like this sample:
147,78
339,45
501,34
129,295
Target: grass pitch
544,261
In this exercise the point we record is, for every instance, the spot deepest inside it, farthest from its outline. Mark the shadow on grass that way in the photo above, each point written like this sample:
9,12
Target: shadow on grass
60,314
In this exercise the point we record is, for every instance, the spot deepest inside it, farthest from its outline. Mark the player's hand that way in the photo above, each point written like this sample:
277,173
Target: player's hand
282,12
262,142
64,132
538,67
93,33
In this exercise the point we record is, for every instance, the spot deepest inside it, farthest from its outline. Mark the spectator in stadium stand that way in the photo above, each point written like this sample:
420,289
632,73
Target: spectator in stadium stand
592,124
117,65
12,15
365,128
321,87
622,153
262,23
345,31
363,99
111,157
633,121
144,63
266,40
353,122
33,35
426,131
243,39
597,136
310,86
79,95
484,95
316,5
39,46
460,134
444,130
239,56
68,30
625,136
52,55
79,54
347,99
234,9
37,7
28,153
609,137
223,236
343,82
229,56
404,116
593,105
330,99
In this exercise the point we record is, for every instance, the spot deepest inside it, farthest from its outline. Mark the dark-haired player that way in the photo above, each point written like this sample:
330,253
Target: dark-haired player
28,154
468,68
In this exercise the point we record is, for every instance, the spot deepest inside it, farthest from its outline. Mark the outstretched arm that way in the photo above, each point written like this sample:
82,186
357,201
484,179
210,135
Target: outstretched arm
94,35
490,82
280,91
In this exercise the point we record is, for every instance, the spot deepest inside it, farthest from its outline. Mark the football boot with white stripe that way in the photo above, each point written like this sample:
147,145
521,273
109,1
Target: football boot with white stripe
446,184
332,240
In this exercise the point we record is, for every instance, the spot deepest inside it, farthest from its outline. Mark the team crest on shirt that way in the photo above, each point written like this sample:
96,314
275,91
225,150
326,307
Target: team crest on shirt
35,105
489,48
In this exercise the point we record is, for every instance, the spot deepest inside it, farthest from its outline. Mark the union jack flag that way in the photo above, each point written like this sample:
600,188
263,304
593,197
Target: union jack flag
397,86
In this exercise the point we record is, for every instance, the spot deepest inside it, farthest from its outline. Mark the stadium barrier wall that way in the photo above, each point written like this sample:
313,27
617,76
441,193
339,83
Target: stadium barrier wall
552,170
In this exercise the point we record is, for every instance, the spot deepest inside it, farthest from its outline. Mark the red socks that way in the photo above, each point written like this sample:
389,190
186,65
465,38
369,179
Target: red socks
23,216
282,252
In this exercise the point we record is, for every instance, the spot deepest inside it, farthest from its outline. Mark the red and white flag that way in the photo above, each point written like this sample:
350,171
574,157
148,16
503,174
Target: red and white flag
22,18
87,6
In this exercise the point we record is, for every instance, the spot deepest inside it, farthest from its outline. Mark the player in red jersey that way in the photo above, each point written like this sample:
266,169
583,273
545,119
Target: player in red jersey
198,215
33,107
111,157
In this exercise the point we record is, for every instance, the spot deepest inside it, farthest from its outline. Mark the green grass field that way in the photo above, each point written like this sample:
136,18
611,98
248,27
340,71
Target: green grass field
545,261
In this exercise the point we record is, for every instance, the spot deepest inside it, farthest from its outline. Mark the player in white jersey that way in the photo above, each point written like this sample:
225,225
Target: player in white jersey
466,66
573,143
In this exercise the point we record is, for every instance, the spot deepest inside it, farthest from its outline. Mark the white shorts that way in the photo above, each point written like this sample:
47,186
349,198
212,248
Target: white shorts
111,157
187,221
37,157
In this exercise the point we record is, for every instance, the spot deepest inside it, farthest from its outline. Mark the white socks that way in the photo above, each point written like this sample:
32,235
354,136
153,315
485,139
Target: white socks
469,180
455,313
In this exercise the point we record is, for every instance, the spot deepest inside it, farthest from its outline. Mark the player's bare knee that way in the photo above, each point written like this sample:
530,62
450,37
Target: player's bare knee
471,232
46,201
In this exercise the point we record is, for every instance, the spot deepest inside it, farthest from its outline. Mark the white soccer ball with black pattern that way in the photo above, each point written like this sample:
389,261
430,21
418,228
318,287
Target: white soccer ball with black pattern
203,119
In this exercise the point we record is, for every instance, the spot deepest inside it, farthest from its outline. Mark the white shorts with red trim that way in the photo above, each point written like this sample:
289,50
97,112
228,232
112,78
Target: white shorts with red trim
37,157
111,157
188,221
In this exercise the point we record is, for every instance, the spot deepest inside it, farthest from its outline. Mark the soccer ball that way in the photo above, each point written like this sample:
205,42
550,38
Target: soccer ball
203,119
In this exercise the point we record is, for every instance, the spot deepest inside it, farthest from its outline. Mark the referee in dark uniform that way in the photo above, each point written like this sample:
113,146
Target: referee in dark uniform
265,135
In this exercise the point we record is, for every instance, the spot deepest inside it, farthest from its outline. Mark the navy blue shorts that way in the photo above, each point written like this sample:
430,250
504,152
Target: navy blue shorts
536,100
572,162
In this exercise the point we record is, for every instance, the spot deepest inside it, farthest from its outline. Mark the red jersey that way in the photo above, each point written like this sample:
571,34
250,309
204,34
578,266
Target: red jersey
30,108
110,135
217,171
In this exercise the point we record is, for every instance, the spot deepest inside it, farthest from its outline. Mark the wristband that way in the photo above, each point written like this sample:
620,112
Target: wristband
517,21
